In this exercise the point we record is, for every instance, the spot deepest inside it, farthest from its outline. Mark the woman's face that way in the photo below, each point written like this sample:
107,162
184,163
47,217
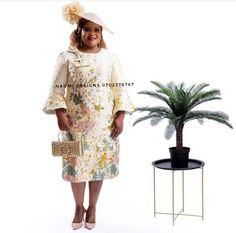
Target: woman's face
91,35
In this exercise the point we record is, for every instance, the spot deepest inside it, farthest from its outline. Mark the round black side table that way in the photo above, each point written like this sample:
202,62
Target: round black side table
166,165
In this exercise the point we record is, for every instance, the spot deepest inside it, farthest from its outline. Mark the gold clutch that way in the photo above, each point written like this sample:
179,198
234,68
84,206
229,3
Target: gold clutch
67,147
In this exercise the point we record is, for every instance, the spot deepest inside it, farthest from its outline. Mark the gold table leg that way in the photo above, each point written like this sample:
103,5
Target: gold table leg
183,190
202,194
154,190
173,197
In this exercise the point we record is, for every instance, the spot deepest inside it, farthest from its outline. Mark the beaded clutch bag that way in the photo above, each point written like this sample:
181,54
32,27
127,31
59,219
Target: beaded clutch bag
66,147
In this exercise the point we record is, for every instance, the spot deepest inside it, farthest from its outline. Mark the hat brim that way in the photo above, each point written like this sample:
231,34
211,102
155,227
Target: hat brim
95,19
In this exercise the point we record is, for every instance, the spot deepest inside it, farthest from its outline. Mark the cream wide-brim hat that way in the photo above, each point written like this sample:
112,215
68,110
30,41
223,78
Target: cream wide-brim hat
73,12
90,16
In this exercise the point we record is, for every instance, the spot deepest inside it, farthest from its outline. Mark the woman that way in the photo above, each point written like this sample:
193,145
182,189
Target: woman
90,102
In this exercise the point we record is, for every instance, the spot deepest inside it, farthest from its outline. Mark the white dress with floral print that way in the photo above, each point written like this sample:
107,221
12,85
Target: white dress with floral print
90,86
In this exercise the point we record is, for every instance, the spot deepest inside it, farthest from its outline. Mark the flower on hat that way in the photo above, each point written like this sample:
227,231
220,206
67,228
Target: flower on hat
72,12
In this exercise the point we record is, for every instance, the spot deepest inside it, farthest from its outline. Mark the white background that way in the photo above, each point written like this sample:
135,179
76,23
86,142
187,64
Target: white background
181,41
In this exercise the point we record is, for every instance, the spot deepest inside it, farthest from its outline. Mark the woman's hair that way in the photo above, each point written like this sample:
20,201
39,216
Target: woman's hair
75,37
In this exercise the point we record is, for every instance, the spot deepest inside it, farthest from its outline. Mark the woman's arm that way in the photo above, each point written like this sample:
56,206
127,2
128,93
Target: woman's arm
56,98
117,125
63,120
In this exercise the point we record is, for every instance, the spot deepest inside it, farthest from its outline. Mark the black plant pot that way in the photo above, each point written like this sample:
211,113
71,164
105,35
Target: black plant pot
179,157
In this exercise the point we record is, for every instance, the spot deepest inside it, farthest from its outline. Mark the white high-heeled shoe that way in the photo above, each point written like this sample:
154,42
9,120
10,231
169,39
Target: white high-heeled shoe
89,226
78,225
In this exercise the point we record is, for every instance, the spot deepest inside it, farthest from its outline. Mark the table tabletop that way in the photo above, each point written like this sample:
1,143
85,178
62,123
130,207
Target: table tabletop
166,164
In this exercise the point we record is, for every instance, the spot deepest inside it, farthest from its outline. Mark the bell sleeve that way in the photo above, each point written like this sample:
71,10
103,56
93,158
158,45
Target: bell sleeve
56,97
122,101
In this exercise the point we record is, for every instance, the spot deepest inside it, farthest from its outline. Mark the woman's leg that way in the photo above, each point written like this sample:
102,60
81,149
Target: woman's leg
78,192
94,191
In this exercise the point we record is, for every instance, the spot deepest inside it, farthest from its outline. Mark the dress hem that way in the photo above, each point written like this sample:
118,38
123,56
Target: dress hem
87,180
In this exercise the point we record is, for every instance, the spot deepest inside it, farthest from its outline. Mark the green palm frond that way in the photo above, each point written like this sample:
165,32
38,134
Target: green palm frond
197,88
173,87
147,117
160,110
218,116
200,121
162,89
202,97
156,95
169,131
190,89
155,113
156,120
201,101
158,84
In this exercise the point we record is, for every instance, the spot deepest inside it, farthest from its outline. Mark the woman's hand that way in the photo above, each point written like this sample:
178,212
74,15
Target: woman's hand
63,120
117,125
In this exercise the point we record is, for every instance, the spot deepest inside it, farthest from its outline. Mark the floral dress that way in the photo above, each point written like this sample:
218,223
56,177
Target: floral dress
90,86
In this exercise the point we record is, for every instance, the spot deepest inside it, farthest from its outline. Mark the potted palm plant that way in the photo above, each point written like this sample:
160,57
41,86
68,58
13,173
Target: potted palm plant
181,103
